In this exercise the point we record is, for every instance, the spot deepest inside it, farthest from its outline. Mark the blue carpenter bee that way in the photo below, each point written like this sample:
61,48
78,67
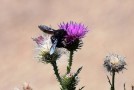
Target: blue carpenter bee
57,38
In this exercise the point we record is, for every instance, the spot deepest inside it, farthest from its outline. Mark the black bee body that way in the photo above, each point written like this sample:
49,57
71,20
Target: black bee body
60,36
57,38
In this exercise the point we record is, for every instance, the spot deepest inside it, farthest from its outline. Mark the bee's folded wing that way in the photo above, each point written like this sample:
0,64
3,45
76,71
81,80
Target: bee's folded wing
53,47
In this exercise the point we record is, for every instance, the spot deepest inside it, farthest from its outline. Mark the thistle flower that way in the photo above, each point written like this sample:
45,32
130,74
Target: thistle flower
44,44
114,62
75,32
39,40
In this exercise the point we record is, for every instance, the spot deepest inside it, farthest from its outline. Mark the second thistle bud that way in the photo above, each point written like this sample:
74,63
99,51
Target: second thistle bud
70,81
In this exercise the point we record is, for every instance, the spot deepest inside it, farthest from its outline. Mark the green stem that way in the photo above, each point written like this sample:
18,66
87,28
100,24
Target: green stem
113,80
55,68
70,61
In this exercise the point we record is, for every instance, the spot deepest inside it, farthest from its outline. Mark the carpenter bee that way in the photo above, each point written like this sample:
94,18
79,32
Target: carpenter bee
57,38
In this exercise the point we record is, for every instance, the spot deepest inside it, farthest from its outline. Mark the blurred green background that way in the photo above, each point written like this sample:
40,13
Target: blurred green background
111,24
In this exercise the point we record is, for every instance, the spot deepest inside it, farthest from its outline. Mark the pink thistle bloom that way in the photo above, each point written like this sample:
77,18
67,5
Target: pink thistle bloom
74,30
43,49
39,40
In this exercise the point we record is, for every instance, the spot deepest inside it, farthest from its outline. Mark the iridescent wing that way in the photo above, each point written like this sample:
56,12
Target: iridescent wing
46,29
53,47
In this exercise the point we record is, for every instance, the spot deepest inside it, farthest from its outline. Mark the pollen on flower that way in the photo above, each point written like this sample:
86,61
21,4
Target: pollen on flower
114,62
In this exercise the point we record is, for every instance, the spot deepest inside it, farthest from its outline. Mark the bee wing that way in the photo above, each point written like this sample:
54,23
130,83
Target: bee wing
53,47
46,29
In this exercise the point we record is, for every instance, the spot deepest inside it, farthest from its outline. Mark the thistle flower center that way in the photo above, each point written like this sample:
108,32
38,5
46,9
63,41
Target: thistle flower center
114,61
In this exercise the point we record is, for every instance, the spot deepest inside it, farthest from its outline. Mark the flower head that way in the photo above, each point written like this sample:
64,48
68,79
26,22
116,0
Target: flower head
44,44
75,32
114,62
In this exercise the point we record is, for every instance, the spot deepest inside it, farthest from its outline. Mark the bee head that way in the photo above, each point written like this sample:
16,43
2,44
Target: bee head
60,33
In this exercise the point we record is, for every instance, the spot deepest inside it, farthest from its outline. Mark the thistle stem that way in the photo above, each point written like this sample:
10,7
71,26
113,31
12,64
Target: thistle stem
55,68
113,80
124,86
132,87
70,61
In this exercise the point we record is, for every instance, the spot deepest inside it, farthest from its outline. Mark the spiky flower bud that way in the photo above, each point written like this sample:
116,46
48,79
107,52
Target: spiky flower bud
69,81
